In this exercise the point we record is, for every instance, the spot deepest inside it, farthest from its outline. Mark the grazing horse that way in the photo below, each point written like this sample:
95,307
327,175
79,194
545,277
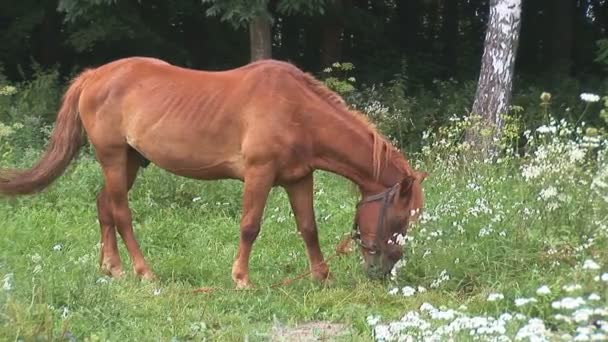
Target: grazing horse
266,124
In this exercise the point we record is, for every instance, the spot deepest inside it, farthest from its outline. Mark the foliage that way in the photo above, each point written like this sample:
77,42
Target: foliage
75,9
27,110
376,36
336,78
240,12
602,52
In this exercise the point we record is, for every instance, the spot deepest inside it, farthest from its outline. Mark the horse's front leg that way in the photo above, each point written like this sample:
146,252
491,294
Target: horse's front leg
301,200
258,182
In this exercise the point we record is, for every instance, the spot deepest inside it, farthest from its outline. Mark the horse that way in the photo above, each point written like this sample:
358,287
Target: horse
266,123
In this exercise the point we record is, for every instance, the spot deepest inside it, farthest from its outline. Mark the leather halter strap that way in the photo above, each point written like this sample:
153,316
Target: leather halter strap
385,196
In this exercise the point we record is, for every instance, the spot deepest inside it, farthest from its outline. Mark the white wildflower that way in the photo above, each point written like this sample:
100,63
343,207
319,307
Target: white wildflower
590,265
587,97
382,333
7,282
485,231
399,239
408,291
531,172
427,307
524,301
36,258
65,312
533,331
572,287
57,247
446,315
576,155
505,317
546,129
492,297
443,277
594,296
548,193
37,269
582,315
398,265
103,280
373,320
568,303
543,290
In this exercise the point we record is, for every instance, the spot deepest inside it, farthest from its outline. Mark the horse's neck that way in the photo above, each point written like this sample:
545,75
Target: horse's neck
348,150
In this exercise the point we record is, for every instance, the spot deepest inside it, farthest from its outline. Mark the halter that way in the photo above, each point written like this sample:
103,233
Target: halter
386,196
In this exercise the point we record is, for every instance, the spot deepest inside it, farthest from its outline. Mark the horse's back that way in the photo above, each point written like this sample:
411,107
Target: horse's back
202,124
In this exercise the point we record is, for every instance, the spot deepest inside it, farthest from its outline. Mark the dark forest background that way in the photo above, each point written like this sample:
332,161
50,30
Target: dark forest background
420,58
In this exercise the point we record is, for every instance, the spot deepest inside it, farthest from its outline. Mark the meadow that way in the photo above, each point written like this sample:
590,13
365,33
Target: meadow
512,248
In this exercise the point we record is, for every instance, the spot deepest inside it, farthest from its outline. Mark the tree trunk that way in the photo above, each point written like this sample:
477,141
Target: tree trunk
333,28
331,46
497,65
260,39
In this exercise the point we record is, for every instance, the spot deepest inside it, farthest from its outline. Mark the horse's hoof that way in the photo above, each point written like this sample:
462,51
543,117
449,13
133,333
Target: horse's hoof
149,276
325,279
115,272
321,274
243,285
146,275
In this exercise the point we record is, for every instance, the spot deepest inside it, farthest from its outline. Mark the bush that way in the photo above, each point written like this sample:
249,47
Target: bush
28,110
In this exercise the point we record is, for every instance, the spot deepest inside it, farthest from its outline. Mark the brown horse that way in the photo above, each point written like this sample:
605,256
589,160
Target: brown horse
266,123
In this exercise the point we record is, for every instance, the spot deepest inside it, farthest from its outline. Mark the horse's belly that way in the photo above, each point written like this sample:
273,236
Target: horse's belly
191,159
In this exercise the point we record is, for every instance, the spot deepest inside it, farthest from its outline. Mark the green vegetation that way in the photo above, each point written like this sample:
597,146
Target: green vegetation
534,216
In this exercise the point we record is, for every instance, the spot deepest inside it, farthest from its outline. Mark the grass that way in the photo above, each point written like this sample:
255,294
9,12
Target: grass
189,244
485,227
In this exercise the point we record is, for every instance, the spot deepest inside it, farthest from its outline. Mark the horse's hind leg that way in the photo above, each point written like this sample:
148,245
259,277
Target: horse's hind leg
109,260
120,165
109,256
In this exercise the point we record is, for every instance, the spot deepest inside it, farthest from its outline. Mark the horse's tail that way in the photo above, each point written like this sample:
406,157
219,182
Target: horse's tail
65,141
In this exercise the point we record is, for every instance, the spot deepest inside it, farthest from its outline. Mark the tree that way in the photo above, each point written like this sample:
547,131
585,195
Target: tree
333,28
251,13
493,94
257,16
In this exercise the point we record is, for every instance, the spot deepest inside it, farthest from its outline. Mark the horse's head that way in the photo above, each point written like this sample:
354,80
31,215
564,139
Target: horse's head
381,222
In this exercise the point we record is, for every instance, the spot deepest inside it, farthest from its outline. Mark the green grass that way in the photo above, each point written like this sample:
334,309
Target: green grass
192,244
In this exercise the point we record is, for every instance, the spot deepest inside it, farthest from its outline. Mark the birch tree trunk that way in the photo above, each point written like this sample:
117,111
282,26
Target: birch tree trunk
260,39
493,94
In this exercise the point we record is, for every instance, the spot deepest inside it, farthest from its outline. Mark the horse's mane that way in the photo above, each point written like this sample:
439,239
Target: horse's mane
383,150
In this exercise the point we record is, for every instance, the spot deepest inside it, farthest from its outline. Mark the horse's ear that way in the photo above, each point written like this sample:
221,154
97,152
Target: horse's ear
406,185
